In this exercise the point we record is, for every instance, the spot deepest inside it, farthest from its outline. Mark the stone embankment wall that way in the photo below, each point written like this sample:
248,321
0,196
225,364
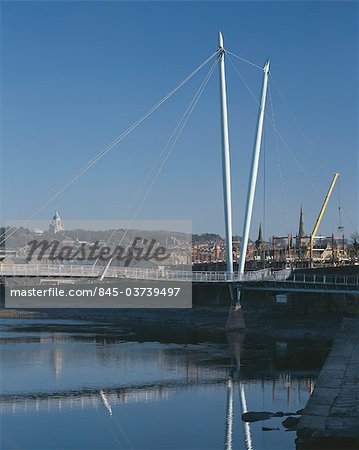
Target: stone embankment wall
300,304
331,416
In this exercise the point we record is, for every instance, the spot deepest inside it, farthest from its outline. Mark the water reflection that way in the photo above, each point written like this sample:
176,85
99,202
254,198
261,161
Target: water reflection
188,394
236,342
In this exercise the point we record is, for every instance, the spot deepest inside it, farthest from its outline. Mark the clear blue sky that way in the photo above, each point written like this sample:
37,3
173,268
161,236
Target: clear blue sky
76,74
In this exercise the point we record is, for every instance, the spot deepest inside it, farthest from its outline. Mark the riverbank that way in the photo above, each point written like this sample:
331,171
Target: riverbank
212,319
292,315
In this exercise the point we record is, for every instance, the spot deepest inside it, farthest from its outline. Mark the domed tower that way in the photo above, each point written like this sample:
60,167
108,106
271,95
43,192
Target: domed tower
56,225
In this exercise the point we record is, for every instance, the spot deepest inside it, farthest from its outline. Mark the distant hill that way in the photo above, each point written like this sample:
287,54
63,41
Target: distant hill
23,235
206,237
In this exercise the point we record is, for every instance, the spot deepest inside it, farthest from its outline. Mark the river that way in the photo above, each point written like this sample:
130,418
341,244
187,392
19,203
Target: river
69,384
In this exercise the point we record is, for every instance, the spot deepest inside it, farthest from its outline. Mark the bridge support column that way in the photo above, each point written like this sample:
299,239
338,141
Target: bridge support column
253,176
226,168
235,321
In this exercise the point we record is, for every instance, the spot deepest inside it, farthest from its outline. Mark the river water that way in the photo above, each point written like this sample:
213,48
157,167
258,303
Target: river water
81,385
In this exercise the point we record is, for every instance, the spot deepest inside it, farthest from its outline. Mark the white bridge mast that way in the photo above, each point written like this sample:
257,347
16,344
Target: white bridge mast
254,173
226,166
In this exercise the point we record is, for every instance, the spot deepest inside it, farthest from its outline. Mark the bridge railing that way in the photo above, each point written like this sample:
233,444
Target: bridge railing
338,279
170,275
47,270
33,270
137,273
254,275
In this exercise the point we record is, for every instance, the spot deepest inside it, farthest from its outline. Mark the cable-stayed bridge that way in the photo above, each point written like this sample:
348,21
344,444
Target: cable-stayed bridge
280,281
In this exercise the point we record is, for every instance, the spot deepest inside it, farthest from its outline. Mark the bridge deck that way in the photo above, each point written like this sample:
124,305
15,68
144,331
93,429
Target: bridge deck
283,280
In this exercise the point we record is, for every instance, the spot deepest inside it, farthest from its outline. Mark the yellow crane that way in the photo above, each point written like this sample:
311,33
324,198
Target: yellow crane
319,219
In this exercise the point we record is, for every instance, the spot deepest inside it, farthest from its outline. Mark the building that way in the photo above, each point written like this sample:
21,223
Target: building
56,225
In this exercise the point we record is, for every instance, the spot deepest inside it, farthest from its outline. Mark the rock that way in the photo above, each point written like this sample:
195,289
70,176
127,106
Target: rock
254,416
290,423
300,412
269,429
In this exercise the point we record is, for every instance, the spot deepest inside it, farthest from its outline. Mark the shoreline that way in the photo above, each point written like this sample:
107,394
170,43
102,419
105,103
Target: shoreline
210,319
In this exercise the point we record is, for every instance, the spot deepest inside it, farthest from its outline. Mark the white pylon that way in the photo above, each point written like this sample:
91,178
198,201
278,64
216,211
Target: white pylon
226,165
253,174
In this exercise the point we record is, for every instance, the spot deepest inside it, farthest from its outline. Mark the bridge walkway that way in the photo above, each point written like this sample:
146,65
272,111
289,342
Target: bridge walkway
283,280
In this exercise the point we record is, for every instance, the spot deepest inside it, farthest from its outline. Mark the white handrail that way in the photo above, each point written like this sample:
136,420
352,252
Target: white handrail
286,275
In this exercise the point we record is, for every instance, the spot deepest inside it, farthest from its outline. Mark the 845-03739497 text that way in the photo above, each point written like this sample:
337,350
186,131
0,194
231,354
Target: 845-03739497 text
100,291
119,294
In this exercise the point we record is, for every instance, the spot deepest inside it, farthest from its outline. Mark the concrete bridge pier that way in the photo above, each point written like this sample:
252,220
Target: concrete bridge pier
235,321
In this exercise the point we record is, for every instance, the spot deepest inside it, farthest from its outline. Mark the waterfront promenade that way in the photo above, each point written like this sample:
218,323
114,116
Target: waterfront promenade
331,417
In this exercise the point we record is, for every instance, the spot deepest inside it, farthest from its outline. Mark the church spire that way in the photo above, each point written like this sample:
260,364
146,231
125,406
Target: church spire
260,240
301,226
